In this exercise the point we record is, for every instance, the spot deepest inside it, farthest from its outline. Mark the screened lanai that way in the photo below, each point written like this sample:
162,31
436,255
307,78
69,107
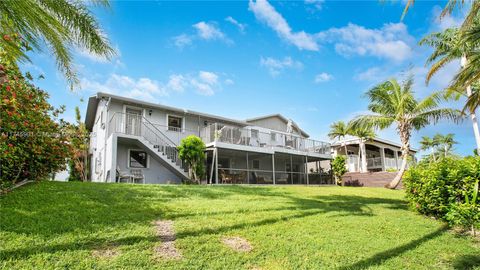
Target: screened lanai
227,166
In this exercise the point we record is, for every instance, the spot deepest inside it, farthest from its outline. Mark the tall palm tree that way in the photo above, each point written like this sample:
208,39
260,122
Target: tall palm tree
446,141
364,134
428,143
58,24
338,131
394,103
449,46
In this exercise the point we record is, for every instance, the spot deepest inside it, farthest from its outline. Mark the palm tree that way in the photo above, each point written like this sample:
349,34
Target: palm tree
58,24
339,130
447,141
428,143
394,103
449,46
364,134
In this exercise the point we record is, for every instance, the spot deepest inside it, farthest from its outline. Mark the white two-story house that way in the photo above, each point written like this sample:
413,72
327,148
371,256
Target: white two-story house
137,138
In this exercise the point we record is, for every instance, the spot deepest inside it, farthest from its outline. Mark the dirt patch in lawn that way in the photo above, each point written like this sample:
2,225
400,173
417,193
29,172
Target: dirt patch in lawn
166,234
106,252
237,243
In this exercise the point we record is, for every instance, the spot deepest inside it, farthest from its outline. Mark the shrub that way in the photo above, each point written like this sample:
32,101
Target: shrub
445,189
339,168
192,151
33,144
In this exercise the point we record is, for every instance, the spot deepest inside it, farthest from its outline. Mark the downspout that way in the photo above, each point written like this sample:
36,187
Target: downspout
105,140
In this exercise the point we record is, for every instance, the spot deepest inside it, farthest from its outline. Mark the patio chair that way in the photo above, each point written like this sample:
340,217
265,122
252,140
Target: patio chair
226,179
137,175
123,175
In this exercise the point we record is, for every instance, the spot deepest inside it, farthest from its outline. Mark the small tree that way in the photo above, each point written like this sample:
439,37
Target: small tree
79,142
339,168
33,144
192,151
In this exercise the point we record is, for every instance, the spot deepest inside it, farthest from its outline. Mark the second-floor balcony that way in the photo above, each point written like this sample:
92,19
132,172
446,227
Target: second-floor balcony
254,137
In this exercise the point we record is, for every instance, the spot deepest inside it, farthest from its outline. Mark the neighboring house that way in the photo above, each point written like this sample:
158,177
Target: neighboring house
136,140
381,155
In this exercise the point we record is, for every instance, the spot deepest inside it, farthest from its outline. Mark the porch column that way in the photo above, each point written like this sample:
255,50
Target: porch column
273,168
382,158
363,158
395,154
306,168
216,165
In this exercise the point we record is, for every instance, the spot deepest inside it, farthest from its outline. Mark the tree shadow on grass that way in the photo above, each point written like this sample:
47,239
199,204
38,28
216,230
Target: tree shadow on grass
89,244
467,262
88,208
50,209
381,257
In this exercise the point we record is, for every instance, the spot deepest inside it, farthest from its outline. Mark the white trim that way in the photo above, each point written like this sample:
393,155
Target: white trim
178,116
140,150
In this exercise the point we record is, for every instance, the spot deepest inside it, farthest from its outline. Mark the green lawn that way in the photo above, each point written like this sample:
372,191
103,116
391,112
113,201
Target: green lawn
60,225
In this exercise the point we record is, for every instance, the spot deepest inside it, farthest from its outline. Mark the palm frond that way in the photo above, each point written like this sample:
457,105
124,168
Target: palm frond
372,122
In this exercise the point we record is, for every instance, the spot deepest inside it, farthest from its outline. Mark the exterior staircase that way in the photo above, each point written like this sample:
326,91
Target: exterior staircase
369,179
155,141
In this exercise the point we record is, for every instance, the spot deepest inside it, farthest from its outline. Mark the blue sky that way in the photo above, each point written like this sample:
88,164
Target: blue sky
311,61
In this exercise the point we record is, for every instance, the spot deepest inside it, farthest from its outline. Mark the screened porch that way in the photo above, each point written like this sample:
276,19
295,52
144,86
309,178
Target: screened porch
227,166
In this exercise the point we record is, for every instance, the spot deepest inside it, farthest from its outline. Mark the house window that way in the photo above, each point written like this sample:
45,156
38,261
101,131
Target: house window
255,133
175,123
273,137
138,159
256,164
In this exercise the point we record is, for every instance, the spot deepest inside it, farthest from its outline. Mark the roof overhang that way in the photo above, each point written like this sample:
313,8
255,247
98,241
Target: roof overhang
93,103
356,140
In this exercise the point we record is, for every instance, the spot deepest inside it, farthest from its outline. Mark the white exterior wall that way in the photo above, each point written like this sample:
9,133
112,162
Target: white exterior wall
98,143
156,173
274,123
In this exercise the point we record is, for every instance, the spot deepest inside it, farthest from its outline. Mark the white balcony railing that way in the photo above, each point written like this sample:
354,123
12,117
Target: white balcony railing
255,138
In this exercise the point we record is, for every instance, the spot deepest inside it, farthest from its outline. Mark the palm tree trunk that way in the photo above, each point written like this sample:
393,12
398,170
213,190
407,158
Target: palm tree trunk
398,177
473,115
404,132
433,155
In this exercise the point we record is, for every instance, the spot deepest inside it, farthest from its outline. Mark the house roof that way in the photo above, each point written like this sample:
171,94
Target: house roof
93,103
354,139
281,117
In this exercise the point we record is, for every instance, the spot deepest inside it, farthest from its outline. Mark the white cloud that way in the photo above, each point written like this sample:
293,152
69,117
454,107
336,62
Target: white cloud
143,88
177,83
448,21
372,74
317,4
323,77
208,77
392,41
276,66
182,40
208,31
229,82
267,14
241,26
203,31
202,82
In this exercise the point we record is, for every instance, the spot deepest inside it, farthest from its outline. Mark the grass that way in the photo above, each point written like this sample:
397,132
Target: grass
54,225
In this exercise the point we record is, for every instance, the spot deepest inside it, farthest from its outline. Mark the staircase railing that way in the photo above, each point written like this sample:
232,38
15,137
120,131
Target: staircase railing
138,125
